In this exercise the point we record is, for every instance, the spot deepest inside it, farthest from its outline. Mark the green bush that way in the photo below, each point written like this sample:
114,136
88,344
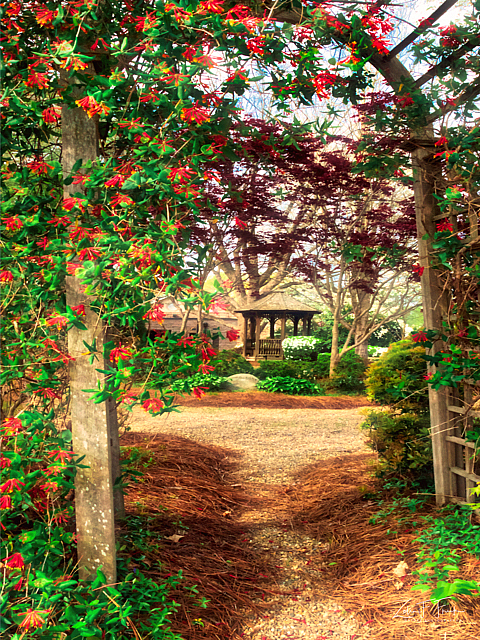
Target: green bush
349,374
210,381
305,369
291,386
403,444
228,362
397,378
300,347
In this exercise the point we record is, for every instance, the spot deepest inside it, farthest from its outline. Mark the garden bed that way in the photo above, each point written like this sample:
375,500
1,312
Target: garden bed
263,399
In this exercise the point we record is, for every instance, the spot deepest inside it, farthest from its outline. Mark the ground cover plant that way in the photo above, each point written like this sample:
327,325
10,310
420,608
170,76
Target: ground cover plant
293,386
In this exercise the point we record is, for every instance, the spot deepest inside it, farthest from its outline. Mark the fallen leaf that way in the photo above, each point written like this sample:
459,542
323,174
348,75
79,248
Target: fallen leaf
398,584
401,569
174,538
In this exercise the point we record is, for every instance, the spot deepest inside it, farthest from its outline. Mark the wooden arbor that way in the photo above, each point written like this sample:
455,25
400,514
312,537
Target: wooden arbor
276,306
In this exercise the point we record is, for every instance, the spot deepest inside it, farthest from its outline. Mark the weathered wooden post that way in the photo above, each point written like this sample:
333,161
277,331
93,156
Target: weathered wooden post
426,174
92,439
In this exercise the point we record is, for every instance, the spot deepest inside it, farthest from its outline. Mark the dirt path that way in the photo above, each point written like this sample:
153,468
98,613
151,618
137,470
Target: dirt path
275,444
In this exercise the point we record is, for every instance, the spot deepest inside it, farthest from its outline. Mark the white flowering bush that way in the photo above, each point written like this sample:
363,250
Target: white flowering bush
300,347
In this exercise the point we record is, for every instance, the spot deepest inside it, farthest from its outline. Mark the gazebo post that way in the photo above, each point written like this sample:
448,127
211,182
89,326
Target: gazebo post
295,325
257,336
309,326
304,327
245,334
272,327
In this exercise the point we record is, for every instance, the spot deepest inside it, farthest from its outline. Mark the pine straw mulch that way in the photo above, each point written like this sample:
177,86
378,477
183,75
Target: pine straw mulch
188,490
265,400
193,483
358,566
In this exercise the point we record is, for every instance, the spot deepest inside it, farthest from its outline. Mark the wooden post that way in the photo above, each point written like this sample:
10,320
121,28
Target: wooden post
282,333
90,422
295,325
272,327
427,171
257,337
309,326
245,333
304,326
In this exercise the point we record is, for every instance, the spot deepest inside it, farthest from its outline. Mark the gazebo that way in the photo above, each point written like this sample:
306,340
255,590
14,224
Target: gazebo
274,307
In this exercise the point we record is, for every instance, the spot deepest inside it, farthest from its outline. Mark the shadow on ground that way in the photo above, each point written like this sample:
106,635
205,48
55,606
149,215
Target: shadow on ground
189,504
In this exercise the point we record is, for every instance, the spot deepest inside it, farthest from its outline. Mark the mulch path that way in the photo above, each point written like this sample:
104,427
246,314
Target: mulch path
265,400
251,548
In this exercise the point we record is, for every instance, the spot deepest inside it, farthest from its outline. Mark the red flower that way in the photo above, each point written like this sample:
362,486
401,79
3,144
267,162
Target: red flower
71,203
155,314
92,107
47,392
13,223
418,269
60,454
185,341
198,392
322,81
79,310
51,116
205,368
441,141
6,276
444,226
15,561
45,17
120,353
39,80
406,100
90,253
146,23
232,335
115,181
5,502
182,173
5,462
195,114
240,223
208,352
211,6
447,31
420,336
58,321
11,426
10,485
18,585
32,619
72,268
64,221
121,199
154,404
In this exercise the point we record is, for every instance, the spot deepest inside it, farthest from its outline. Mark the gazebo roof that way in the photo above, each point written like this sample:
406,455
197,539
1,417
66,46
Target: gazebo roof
278,302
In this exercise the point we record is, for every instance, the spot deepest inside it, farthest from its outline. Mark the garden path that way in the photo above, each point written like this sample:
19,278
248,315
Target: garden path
275,444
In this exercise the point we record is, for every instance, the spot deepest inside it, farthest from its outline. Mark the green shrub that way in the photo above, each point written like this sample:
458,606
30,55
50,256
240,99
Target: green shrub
301,347
210,381
292,386
228,362
349,374
403,444
397,378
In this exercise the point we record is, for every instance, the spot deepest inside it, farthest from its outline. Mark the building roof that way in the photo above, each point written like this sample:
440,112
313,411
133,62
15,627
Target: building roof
278,301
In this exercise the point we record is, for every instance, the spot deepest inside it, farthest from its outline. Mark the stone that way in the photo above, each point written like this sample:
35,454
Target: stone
242,381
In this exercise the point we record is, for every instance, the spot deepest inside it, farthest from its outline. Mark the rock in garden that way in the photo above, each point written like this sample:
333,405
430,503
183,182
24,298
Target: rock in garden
242,381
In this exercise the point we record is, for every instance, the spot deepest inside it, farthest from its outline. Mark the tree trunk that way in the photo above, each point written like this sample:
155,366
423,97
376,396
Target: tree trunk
361,303
94,505
334,355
